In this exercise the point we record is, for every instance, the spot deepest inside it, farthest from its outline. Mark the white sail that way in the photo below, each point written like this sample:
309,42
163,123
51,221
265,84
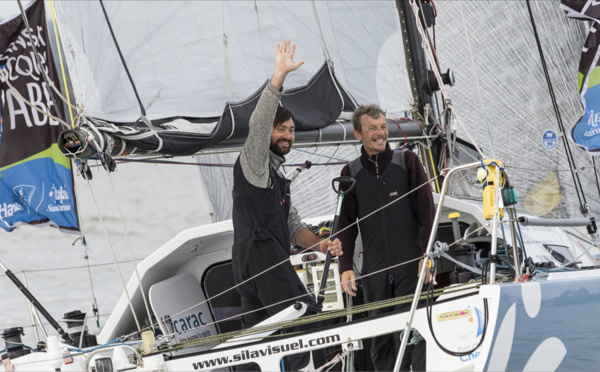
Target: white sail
188,58
502,96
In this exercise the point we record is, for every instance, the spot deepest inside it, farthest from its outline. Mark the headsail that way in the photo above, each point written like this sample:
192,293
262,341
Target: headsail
36,183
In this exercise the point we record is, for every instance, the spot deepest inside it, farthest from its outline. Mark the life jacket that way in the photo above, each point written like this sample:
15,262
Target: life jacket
393,234
260,214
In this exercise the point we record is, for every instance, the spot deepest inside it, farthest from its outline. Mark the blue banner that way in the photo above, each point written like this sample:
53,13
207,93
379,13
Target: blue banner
36,180
586,131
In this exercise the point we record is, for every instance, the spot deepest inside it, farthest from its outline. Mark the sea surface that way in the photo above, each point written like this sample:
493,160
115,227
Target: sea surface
156,202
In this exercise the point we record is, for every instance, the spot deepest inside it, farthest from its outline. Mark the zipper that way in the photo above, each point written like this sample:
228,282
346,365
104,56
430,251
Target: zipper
380,189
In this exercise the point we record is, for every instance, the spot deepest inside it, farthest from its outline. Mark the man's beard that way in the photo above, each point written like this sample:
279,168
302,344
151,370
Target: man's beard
275,148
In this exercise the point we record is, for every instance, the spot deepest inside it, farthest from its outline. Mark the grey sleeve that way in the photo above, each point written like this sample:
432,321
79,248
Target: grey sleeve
254,159
295,223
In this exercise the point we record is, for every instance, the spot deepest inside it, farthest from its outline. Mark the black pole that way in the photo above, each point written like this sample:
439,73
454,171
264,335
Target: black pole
340,193
37,305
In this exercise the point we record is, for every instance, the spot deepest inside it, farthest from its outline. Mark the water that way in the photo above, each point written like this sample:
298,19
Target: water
157,202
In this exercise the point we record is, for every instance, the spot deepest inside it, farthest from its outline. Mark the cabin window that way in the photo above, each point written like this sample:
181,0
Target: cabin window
219,278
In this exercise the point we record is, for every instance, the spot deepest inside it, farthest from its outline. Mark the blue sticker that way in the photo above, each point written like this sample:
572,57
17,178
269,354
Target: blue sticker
549,139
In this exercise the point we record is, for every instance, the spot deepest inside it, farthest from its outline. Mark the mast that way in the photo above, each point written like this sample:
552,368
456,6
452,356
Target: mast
423,84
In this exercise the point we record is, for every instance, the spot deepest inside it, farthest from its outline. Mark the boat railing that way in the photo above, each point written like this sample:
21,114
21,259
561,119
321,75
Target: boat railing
430,243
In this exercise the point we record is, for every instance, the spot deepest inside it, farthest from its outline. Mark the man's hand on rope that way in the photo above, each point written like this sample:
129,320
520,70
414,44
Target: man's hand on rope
349,282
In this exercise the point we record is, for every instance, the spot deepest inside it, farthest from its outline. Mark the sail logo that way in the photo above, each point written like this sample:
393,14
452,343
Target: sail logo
60,198
549,139
9,209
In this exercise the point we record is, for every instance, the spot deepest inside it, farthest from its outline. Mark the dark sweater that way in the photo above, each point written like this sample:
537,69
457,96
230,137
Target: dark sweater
421,200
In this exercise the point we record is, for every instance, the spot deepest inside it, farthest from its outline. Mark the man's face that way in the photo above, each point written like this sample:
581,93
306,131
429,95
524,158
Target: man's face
282,137
373,134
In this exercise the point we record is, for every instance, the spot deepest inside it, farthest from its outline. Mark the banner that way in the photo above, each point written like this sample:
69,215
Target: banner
36,180
586,131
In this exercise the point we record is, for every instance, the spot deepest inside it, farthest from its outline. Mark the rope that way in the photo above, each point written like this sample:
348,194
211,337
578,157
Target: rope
12,88
300,252
62,67
577,182
477,84
38,59
262,44
129,246
436,72
226,56
229,336
323,44
578,257
112,33
112,251
348,311
338,358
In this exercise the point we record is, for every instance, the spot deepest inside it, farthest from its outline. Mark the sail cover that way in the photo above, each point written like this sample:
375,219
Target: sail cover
36,183
188,59
586,131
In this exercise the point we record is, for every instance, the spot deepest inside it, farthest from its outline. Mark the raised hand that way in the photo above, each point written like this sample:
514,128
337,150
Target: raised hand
284,63
285,57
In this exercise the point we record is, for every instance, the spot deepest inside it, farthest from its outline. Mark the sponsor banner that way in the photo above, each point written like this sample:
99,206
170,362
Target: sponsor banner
36,181
586,131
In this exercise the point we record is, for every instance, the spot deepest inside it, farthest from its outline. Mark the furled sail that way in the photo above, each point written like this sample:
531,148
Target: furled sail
193,63
36,182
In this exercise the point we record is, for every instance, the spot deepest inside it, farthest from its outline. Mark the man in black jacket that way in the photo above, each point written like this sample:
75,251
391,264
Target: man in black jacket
264,220
395,234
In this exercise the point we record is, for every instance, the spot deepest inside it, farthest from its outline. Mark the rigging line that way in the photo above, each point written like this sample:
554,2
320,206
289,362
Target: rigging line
84,243
69,267
216,165
439,78
262,44
303,251
137,273
577,183
576,258
228,337
226,63
322,155
38,59
137,96
323,45
62,67
112,251
477,84
33,315
14,90
596,174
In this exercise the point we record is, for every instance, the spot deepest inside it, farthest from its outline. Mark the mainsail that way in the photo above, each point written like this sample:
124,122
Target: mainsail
36,183
198,64
193,63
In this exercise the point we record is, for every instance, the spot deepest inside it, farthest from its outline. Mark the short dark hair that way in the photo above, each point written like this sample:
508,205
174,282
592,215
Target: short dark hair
282,115
371,110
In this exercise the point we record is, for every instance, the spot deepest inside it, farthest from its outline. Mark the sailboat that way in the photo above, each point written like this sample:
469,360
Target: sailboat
515,291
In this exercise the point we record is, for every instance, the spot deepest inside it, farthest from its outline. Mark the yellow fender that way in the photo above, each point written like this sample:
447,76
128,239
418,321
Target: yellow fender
491,174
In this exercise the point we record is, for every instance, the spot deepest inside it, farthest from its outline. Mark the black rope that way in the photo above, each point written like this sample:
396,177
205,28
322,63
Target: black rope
578,187
596,174
137,96
39,61
429,307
